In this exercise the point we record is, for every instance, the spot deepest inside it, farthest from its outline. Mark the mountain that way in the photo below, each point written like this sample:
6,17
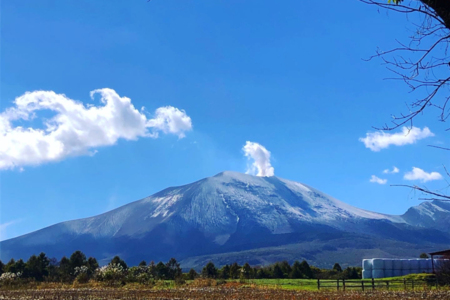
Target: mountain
435,214
234,216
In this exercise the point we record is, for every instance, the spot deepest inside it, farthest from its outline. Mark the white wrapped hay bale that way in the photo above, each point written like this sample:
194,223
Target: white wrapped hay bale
388,273
388,264
437,264
378,264
367,274
396,264
367,264
414,265
376,273
406,264
430,264
396,273
424,265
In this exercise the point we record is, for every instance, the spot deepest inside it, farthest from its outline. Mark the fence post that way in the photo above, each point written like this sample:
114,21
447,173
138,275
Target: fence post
337,284
412,284
318,283
387,284
373,284
404,283
362,285
343,284
436,282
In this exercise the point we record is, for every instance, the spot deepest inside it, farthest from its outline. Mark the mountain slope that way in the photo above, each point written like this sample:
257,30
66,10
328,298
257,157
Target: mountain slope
228,212
435,214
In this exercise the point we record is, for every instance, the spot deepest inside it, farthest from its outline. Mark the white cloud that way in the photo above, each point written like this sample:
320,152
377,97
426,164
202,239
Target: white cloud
419,174
76,129
171,120
376,141
375,179
394,170
261,159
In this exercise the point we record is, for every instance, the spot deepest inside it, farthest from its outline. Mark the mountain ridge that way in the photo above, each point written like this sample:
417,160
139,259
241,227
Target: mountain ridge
228,212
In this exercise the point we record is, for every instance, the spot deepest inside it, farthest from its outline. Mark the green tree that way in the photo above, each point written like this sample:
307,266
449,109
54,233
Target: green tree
77,259
92,265
11,266
118,261
234,271
152,269
262,273
53,270
306,269
173,269
285,268
337,268
350,273
246,271
161,271
209,271
2,267
423,255
225,272
20,266
143,263
65,270
37,266
277,271
296,271
192,274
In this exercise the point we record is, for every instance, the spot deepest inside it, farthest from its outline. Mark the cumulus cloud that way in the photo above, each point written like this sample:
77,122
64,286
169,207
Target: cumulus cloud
394,170
76,129
375,179
376,141
419,174
261,159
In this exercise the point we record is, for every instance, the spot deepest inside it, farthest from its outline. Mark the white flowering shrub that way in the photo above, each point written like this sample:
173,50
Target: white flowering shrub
81,274
9,278
80,270
140,274
111,273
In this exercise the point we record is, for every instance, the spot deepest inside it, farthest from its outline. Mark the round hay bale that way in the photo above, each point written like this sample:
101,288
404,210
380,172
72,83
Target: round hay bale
397,264
388,273
367,264
377,264
388,264
406,264
377,273
414,264
367,274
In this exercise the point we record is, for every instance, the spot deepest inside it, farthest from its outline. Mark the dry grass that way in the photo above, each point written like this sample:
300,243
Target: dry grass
231,292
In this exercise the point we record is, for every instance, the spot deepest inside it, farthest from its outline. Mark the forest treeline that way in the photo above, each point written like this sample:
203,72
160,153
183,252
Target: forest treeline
79,268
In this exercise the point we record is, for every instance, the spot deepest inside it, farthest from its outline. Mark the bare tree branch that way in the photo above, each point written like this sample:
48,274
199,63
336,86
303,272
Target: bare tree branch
442,197
421,62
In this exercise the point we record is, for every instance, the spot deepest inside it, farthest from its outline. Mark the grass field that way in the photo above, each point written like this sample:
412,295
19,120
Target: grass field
232,289
219,293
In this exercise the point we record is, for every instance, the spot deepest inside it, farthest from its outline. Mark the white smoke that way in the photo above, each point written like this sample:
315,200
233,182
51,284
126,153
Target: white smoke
261,160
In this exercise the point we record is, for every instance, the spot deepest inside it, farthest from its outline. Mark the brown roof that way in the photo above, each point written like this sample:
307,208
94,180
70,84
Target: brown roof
443,252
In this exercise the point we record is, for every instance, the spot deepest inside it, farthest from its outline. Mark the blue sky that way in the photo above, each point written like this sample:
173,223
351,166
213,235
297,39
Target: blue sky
289,76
